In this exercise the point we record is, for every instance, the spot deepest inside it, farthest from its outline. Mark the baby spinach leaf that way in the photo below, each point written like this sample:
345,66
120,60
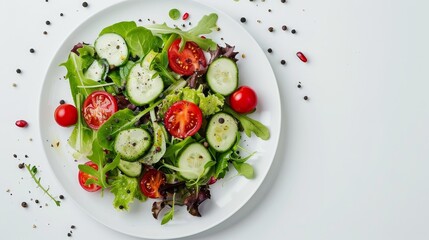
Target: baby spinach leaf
141,40
244,169
250,125
121,28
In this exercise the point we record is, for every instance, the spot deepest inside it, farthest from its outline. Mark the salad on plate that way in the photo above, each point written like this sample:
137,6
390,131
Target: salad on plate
156,118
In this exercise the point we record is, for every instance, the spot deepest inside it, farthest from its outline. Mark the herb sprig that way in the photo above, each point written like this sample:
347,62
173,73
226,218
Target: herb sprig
33,172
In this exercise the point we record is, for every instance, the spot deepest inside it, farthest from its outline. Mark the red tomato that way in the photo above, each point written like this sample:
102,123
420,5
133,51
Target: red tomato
98,107
243,100
66,115
150,183
187,61
83,177
183,119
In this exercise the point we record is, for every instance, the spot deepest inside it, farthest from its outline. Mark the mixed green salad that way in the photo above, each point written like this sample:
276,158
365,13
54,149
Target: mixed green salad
155,117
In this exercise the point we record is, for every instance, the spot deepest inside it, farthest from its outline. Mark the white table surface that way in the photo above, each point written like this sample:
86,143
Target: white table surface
353,161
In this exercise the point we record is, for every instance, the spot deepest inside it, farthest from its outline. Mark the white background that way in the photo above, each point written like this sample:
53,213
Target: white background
352,161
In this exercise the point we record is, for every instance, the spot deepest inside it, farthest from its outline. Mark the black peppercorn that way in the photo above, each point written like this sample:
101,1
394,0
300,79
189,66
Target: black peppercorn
305,98
18,70
284,27
62,101
48,23
84,4
44,32
24,204
283,62
61,14
243,19
32,50
293,31
283,1
61,197
21,165
270,29
270,50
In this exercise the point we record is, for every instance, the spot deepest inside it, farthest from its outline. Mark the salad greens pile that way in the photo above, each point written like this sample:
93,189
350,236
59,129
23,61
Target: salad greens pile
136,140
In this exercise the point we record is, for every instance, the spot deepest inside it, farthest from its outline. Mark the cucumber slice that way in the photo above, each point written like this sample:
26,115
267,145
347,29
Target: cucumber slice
113,48
192,160
97,71
222,76
132,143
221,132
143,84
131,169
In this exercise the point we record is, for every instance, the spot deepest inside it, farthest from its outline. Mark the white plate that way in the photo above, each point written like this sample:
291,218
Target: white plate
229,195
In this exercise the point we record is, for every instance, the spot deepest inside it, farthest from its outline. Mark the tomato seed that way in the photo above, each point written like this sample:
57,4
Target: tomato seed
21,123
185,16
301,56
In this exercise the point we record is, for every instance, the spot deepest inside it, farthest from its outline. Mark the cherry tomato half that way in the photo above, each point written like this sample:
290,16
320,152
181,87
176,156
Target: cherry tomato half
183,119
188,60
66,115
150,183
243,100
98,107
83,177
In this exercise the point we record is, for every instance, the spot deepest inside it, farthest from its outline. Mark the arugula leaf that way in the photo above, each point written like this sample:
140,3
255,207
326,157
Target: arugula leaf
222,164
141,40
33,171
121,28
250,125
124,188
204,26
77,78
170,214
121,120
82,136
244,169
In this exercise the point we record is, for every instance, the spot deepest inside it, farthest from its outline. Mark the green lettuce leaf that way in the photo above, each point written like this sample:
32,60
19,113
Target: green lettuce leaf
82,136
121,28
124,188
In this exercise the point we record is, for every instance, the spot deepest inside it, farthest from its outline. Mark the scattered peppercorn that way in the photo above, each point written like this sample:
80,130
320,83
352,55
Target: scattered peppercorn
48,23
26,156
61,197
305,98
61,14
85,4
62,101
121,207
18,70
270,29
45,32
140,20
299,86
72,226
15,156
243,19
32,50
283,1
21,165
284,27
221,120
269,10
36,201
21,123
293,31
270,50
24,204
68,234
282,62
14,85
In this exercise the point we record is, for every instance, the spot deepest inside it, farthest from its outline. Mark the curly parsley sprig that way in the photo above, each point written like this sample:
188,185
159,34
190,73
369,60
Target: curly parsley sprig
33,172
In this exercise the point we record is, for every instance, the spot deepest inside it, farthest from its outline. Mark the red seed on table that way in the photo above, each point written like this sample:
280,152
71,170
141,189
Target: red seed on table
301,56
21,123
185,16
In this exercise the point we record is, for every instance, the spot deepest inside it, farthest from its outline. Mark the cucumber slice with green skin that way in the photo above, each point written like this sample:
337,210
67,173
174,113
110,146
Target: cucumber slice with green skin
113,48
143,84
221,132
132,143
97,71
192,160
159,146
131,169
222,76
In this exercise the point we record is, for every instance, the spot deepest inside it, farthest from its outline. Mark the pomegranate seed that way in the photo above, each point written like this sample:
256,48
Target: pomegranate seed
185,16
21,123
301,56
